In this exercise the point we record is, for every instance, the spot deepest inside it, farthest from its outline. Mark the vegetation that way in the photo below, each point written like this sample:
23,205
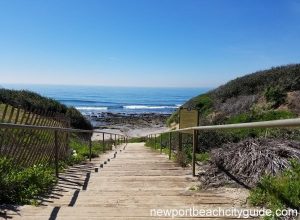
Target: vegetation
204,104
25,185
287,78
203,157
248,154
20,185
280,191
275,95
242,94
31,101
137,140
182,158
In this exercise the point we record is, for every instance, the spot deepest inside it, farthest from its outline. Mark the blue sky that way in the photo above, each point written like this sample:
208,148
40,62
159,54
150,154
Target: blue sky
187,43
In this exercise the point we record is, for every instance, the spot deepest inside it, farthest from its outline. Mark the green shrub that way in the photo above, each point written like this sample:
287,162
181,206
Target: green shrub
204,104
278,192
23,185
255,116
275,95
203,157
260,116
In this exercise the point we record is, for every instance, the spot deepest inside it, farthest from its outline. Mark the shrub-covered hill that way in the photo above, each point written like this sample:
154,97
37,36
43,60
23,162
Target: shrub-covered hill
31,101
263,95
265,160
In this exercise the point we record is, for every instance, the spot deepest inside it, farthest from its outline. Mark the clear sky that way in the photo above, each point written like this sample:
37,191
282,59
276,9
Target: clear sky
186,43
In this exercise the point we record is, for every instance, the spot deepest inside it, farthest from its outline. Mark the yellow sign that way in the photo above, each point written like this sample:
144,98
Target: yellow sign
188,118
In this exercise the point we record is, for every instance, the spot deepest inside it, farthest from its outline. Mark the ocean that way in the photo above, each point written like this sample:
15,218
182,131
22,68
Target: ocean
128,100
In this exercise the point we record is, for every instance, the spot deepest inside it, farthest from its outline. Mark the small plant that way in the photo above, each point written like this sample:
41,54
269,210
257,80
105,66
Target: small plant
275,95
203,157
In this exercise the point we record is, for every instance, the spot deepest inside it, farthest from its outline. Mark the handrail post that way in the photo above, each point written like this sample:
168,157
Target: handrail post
195,144
160,143
115,140
170,145
103,143
90,151
56,152
179,141
155,141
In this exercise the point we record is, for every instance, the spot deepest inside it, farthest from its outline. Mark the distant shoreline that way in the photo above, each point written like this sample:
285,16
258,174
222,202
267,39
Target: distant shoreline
133,125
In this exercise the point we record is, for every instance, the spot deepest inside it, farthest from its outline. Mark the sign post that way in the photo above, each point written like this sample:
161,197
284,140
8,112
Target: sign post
190,118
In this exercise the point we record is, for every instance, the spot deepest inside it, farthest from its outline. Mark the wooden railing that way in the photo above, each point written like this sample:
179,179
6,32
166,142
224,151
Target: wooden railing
20,141
285,123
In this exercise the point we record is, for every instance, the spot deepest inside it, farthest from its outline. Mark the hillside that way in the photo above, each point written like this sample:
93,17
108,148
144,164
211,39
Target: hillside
34,103
267,161
263,95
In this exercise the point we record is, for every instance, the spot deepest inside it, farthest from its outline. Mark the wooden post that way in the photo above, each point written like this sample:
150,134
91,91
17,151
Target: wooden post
90,146
155,141
103,143
195,144
179,141
170,145
56,152
115,140
160,143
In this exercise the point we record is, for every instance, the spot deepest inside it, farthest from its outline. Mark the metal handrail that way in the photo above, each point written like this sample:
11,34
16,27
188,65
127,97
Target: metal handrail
295,122
69,130
284,123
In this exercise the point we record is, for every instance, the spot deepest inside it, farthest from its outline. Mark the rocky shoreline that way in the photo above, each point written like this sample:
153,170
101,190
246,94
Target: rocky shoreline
134,125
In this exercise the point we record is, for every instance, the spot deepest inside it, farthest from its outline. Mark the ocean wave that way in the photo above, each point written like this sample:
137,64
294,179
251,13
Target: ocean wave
91,108
147,107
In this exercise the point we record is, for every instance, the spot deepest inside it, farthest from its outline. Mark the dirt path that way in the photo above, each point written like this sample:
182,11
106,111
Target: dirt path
129,186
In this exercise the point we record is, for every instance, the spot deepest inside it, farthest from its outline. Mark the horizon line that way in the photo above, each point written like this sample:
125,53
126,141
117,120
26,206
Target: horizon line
120,86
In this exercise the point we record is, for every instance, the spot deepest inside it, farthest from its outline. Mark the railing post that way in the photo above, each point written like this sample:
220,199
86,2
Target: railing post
90,146
103,143
170,145
115,140
179,141
195,144
155,141
160,143
56,152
